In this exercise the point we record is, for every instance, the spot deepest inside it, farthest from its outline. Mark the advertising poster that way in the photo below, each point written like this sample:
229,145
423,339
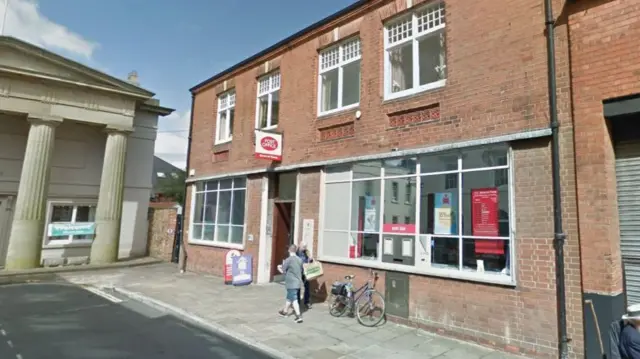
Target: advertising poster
484,220
370,215
445,217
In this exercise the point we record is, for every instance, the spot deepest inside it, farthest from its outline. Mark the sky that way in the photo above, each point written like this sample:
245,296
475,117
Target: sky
173,45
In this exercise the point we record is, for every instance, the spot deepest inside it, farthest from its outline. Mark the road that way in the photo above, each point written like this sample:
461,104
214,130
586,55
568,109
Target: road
46,321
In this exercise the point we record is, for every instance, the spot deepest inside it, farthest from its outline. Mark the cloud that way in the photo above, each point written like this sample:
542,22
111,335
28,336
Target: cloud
171,142
25,21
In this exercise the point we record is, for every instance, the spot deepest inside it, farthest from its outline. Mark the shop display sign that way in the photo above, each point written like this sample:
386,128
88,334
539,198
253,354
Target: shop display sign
268,145
445,214
484,212
242,269
71,229
399,228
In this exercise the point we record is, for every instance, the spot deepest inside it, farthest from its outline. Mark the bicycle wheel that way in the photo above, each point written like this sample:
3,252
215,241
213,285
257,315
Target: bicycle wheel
338,305
370,308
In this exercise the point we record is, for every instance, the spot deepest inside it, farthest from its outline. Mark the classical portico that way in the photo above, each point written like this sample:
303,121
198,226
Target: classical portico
49,92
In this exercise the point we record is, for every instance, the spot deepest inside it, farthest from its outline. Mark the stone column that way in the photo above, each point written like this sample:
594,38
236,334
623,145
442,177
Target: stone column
109,211
25,241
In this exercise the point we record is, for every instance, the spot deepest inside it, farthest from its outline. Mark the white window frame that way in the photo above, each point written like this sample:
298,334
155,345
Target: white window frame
415,37
215,242
268,85
340,66
509,280
226,102
54,243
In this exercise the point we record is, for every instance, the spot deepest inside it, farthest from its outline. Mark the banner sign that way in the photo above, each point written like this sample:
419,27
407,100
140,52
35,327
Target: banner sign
71,229
268,145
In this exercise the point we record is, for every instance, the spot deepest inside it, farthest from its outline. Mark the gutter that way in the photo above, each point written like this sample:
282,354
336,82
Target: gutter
558,236
182,255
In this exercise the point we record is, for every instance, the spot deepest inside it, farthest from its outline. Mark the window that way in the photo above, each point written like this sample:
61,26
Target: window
415,52
226,114
160,175
218,212
339,77
453,217
69,222
394,192
268,106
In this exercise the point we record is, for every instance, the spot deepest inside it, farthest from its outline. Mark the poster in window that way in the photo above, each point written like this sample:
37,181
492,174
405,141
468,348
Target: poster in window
370,215
484,212
444,213
484,219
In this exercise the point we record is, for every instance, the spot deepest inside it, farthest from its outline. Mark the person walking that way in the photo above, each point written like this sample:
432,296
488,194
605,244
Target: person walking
293,271
303,253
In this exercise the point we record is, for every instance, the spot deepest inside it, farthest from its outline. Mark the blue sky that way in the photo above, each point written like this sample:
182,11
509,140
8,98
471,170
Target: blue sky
172,45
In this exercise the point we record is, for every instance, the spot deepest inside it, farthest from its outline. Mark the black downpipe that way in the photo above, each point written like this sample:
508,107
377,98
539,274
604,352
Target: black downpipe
559,235
182,254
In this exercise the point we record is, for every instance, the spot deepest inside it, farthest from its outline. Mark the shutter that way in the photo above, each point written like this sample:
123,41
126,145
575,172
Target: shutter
628,179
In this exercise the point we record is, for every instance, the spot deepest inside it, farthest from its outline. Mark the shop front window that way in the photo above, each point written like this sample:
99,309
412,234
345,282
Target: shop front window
218,212
70,222
445,211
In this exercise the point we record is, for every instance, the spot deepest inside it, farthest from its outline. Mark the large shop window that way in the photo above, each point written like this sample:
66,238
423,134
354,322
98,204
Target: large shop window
436,213
70,223
218,212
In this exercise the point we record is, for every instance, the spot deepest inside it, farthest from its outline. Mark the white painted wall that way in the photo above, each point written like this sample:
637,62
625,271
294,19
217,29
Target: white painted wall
76,172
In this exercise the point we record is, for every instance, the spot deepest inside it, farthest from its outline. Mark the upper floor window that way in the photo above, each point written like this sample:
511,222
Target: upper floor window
415,52
226,113
268,104
339,79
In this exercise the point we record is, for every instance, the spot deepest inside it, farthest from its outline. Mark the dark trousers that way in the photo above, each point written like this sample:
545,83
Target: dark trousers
307,293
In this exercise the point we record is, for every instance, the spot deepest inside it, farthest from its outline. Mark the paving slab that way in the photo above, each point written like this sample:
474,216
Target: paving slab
249,314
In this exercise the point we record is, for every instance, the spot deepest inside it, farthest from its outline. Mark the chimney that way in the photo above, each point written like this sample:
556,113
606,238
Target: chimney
133,78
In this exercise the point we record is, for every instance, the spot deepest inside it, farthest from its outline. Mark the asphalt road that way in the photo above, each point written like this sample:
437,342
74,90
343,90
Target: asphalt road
59,321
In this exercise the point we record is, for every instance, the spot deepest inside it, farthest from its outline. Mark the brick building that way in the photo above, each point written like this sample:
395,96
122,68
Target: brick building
419,145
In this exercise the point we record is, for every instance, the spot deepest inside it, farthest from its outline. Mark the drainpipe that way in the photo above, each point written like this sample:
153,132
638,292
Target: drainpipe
182,255
558,235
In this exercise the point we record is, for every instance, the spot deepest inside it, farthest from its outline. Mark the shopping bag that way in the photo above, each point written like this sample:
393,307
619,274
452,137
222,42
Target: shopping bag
312,270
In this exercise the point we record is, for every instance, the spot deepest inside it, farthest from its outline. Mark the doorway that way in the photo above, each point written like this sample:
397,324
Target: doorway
284,209
5,226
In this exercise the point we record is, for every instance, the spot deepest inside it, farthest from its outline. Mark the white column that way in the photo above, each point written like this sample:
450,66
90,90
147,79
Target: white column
109,212
25,241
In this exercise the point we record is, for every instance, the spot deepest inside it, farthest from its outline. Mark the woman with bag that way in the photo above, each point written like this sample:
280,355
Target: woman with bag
303,253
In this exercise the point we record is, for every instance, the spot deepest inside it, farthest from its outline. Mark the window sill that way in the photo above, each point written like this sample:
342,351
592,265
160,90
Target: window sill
223,142
268,128
337,111
435,272
67,244
198,242
413,92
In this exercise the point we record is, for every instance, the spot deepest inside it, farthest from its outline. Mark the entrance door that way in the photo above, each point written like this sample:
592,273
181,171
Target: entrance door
628,180
283,223
5,223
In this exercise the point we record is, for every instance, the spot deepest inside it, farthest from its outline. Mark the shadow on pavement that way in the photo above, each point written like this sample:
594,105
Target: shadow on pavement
60,320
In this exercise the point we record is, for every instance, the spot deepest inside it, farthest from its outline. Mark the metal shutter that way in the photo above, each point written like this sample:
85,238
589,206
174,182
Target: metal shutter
628,178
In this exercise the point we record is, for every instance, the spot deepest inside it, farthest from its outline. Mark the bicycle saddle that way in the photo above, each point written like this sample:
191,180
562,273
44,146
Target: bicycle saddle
349,277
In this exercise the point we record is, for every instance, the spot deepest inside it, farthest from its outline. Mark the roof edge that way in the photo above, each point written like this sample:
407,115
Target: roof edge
74,65
281,43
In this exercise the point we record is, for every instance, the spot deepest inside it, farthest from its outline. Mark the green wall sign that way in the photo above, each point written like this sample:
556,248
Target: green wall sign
71,229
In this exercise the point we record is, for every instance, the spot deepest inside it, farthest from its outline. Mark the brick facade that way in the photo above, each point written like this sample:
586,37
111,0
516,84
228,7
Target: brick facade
496,85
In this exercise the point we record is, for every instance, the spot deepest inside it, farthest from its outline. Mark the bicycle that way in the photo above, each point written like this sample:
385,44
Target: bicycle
345,298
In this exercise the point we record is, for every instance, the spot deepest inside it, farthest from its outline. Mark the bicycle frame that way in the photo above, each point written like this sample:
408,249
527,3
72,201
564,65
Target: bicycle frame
362,290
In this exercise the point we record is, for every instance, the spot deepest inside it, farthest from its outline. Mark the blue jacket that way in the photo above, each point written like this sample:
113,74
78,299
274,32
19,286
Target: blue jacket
630,342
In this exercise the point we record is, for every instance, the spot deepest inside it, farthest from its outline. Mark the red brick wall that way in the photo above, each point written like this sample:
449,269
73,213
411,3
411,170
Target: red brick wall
497,84
605,37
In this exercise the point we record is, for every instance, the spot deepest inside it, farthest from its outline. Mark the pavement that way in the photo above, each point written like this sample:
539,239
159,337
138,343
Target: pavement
249,314
57,320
